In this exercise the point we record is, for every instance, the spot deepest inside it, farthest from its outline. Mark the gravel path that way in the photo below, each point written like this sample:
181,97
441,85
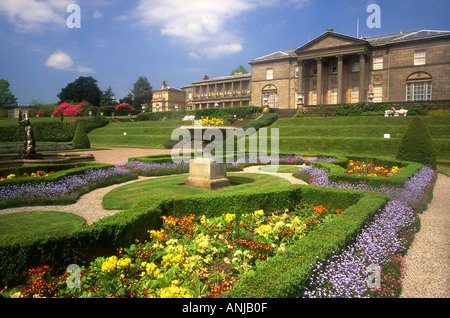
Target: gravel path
427,274
116,155
89,206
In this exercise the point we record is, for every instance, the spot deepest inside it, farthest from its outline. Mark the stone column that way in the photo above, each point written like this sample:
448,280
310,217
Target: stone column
319,81
306,72
362,77
340,78
300,77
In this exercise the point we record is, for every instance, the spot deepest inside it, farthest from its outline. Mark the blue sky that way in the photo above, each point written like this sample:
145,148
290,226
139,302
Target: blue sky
175,40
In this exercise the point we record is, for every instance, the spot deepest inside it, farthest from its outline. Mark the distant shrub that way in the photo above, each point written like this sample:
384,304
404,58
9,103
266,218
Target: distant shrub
81,139
417,144
69,110
264,121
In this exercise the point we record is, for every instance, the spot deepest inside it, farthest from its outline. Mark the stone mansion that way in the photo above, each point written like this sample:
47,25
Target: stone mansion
331,69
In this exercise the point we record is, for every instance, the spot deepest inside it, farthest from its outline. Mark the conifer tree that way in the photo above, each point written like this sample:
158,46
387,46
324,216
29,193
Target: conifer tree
417,144
80,138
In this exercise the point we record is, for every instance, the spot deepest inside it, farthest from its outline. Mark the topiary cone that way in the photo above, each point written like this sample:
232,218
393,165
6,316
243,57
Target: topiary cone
417,145
80,138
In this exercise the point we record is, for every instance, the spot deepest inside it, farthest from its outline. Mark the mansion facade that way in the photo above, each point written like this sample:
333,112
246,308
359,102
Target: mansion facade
337,69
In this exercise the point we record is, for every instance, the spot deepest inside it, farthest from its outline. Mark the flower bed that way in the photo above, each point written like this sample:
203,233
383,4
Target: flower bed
370,169
189,257
381,245
60,187
38,173
377,172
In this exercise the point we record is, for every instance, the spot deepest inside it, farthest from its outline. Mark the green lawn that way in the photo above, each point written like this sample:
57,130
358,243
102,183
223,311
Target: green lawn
33,223
145,134
173,186
356,135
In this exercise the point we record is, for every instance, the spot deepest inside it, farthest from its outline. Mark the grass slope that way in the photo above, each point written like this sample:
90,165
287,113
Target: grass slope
356,135
145,134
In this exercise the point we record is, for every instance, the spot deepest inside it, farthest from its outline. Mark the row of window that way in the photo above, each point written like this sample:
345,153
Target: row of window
419,59
419,91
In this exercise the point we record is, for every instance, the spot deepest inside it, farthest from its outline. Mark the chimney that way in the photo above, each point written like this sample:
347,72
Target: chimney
330,30
205,77
401,31
164,85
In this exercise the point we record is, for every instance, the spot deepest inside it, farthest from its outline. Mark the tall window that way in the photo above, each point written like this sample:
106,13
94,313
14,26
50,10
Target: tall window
315,69
333,99
378,62
355,95
269,74
418,91
296,71
377,93
420,57
269,96
419,87
314,97
355,65
334,66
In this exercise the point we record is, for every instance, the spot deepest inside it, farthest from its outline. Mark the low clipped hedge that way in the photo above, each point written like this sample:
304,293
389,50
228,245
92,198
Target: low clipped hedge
274,279
56,131
337,172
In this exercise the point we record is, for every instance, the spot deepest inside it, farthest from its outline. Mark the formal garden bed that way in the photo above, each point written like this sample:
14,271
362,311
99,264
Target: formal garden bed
373,226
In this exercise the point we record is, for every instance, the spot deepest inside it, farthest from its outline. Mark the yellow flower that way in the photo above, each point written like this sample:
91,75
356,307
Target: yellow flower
10,176
259,213
229,217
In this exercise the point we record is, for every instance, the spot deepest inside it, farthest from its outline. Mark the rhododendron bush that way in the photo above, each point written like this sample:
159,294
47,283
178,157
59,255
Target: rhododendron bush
124,106
69,110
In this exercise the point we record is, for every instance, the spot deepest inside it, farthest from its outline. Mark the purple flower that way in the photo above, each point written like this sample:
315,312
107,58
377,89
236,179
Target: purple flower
345,274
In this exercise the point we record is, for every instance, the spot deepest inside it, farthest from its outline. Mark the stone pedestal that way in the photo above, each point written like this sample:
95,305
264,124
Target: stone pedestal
207,174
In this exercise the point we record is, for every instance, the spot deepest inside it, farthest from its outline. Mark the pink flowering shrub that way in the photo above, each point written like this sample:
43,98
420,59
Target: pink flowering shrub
124,106
69,110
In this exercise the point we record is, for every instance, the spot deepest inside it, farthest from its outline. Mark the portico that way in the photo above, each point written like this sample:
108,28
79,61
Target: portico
332,70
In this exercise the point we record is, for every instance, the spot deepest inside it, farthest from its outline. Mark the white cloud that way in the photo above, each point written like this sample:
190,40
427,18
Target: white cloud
97,14
194,55
85,69
60,60
32,15
202,25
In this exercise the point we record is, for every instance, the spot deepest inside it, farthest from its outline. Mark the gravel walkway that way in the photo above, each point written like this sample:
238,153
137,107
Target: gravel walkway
116,155
89,206
427,274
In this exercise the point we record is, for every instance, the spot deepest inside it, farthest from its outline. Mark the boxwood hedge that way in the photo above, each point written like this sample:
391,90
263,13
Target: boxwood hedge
277,278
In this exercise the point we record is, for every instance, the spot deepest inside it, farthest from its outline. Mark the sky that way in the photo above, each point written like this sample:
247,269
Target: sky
46,44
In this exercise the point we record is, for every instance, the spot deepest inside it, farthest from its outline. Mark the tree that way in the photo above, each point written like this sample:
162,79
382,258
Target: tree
239,69
7,99
80,138
142,91
417,144
107,97
83,89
